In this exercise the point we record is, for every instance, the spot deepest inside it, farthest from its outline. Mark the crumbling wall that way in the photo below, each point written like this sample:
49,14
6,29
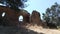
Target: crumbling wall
35,17
11,17
26,16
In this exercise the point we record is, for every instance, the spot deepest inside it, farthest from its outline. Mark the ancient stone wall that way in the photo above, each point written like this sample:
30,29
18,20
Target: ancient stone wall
11,17
25,15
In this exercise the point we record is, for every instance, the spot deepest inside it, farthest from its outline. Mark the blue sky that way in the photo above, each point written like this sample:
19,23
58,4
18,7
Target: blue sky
40,5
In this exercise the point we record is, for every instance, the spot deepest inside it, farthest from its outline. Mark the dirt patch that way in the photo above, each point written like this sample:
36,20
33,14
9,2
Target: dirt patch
39,29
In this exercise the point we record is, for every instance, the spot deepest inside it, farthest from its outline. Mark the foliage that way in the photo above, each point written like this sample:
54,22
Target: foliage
13,4
52,14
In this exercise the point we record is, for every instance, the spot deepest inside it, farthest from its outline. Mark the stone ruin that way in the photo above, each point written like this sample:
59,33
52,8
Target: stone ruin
35,18
11,17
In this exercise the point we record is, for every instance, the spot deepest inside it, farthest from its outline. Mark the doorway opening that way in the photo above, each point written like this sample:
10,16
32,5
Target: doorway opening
21,18
3,14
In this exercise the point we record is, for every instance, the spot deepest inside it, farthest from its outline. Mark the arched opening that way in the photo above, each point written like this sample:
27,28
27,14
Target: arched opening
21,18
3,14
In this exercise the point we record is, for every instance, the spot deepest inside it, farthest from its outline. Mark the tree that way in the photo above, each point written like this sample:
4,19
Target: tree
52,14
13,4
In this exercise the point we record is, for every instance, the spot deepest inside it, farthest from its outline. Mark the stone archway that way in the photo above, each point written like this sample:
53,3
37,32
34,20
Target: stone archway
21,18
3,14
25,15
11,17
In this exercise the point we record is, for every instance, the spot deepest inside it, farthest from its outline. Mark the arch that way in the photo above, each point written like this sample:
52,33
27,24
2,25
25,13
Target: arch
3,14
12,16
25,15
21,18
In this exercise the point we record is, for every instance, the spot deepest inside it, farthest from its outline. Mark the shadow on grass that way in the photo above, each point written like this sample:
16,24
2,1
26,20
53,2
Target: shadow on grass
15,30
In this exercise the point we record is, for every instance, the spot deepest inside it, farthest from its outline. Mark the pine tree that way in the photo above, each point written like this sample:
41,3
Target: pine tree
52,14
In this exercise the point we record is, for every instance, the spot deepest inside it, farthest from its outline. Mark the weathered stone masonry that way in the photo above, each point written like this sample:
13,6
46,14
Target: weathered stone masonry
11,17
